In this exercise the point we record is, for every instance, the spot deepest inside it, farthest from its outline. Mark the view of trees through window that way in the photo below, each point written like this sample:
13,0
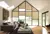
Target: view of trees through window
27,13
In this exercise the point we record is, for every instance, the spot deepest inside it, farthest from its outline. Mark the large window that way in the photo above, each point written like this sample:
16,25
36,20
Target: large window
27,13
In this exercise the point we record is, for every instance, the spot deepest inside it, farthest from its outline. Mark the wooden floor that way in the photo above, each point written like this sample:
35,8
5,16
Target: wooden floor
37,30
2,32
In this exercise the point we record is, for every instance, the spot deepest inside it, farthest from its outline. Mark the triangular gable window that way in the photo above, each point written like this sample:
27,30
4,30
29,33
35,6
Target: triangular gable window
26,10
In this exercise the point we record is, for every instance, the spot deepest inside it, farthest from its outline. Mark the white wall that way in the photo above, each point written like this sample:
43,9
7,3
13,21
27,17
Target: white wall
1,15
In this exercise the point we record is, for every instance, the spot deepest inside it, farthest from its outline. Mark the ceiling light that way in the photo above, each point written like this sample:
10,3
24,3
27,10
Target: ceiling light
3,4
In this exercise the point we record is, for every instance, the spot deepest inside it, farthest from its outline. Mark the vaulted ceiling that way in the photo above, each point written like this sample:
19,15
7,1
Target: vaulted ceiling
39,4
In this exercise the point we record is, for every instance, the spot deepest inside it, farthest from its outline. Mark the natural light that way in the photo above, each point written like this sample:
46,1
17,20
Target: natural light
4,4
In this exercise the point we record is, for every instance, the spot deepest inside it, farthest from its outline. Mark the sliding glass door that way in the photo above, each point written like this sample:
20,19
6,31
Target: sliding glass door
45,20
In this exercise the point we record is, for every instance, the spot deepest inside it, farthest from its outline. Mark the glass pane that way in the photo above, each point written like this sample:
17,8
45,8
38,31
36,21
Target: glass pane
28,7
28,20
16,9
28,13
15,19
22,6
21,13
15,14
22,18
43,19
33,9
47,19
21,10
35,15
35,22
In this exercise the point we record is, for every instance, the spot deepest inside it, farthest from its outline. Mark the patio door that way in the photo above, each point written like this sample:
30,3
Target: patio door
45,19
